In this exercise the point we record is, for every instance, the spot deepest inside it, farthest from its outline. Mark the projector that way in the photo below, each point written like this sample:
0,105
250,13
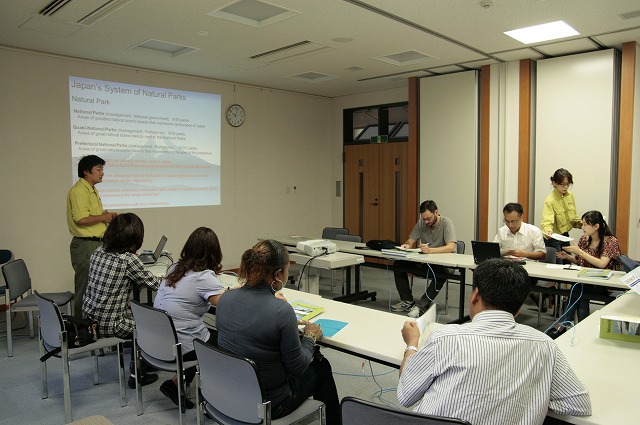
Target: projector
316,247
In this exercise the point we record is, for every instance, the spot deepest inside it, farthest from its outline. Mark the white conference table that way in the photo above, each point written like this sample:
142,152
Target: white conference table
609,368
462,262
371,334
451,260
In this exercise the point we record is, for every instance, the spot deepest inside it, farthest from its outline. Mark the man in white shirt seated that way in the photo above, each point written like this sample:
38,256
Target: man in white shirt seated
518,238
491,370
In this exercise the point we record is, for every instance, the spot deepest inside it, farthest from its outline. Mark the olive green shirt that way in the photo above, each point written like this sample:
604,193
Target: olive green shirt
82,201
559,213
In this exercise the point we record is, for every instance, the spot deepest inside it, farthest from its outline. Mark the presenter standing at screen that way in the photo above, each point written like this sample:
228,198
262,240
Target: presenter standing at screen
87,222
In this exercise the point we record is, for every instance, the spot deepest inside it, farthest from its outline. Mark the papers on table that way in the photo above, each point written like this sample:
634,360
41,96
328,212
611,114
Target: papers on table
330,327
562,238
400,253
408,249
632,279
599,273
305,311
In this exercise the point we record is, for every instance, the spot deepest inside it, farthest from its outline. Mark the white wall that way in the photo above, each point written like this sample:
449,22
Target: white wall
285,142
449,148
574,128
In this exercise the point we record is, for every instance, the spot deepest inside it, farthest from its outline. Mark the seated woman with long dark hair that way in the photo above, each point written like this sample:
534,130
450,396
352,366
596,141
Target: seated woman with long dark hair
190,288
252,323
113,270
597,248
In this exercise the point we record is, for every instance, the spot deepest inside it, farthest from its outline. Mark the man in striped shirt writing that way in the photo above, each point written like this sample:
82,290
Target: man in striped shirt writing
491,370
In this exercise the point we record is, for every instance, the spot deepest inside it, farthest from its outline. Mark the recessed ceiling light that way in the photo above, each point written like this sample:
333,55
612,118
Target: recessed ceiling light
542,32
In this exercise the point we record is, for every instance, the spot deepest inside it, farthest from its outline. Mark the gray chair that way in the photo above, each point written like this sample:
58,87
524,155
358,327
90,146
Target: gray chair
18,297
156,341
54,343
230,391
550,258
355,412
5,257
348,238
332,232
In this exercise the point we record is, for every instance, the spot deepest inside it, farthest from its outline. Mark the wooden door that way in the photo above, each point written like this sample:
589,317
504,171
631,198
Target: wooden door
361,190
375,190
393,191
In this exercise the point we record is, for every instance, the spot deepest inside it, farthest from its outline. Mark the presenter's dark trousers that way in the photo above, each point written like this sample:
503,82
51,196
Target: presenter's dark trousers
400,273
81,250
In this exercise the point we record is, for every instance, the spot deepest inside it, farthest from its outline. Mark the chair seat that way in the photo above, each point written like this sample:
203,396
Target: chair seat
166,366
29,302
100,343
308,407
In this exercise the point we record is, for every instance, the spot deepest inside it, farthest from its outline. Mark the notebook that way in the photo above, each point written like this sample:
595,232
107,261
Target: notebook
484,251
151,258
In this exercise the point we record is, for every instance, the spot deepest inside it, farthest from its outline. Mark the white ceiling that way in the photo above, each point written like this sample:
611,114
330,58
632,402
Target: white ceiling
456,34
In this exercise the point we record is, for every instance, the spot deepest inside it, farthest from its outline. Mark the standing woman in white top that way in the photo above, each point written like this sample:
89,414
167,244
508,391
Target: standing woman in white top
190,288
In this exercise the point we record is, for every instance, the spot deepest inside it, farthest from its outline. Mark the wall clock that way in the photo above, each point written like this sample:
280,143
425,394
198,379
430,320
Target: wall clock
235,115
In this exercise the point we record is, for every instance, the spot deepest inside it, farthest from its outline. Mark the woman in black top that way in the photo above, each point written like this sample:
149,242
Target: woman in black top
253,323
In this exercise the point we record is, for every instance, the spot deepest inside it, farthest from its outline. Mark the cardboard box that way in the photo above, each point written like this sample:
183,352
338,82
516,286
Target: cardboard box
620,327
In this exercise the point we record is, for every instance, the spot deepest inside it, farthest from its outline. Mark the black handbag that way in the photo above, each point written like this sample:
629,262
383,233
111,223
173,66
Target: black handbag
80,332
380,244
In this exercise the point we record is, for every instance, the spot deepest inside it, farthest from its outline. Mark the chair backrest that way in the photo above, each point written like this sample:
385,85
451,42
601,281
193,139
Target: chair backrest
156,334
17,279
5,256
229,383
50,322
355,411
331,232
349,238
460,247
550,257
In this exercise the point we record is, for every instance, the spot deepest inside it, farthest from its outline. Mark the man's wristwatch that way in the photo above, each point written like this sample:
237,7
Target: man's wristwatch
410,348
310,335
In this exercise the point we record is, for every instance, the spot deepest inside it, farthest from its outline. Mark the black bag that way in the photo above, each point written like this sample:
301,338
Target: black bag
380,244
80,332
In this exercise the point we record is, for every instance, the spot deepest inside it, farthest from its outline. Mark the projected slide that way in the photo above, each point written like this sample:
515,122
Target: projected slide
161,146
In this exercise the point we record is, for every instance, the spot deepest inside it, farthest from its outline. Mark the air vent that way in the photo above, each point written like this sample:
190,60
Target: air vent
298,49
312,77
166,47
84,12
253,12
410,57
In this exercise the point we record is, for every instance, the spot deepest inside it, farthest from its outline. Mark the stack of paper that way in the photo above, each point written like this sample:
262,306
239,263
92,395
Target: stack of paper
599,273
402,253
305,311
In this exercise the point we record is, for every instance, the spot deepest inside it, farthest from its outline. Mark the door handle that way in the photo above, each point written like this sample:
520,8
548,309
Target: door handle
373,203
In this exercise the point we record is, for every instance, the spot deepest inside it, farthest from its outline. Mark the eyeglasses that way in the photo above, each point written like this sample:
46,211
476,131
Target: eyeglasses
428,219
511,222
567,185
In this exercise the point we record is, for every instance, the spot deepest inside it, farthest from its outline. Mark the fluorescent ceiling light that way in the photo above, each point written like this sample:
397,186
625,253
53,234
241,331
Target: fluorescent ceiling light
542,32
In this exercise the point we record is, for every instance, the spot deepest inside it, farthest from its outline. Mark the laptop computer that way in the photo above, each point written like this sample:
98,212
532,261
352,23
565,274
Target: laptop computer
484,250
152,258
